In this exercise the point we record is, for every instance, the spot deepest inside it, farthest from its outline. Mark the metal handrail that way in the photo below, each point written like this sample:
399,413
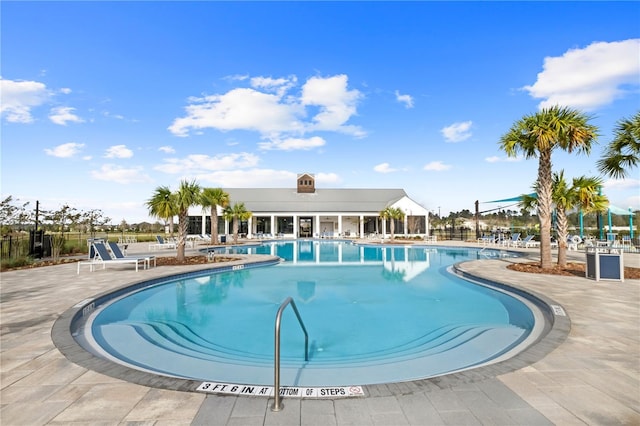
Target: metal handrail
277,405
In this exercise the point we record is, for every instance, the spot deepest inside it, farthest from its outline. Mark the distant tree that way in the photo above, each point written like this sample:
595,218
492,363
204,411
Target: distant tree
166,204
623,152
162,205
537,136
212,198
188,195
59,221
236,213
12,215
582,194
392,214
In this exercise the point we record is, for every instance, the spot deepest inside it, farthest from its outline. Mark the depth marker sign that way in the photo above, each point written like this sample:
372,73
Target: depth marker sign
286,391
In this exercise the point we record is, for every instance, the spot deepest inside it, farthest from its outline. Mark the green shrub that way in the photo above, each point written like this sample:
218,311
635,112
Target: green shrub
15,262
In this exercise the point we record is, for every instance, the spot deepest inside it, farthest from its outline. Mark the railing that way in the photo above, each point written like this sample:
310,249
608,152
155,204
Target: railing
277,404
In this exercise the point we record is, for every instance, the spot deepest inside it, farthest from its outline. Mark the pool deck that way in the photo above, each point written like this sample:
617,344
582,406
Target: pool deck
592,377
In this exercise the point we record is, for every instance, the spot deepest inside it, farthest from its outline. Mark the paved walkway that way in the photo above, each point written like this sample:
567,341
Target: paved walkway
592,377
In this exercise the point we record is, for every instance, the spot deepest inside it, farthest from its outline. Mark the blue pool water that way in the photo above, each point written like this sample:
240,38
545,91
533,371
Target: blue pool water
374,315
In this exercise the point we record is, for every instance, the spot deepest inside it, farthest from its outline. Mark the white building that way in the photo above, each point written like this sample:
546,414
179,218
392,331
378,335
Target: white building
307,212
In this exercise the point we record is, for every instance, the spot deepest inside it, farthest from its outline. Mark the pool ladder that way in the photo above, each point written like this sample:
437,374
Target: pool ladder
277,404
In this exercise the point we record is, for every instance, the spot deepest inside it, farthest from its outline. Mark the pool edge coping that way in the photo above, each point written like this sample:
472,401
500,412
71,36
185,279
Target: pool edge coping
558,330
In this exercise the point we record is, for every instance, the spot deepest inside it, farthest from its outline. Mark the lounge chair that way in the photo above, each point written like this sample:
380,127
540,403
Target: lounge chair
102,257
573,241
528,242
117,253
161,243
515,238
487,239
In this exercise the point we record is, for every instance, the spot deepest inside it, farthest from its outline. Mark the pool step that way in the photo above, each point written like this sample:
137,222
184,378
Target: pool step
188,355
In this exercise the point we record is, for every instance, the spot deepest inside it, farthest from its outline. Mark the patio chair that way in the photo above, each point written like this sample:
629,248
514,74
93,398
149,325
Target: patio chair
487,239
515,238
117,253
102,257
527,242
573,241
161,243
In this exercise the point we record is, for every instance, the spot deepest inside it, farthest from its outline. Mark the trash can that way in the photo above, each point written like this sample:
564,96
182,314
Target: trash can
223,239
604,264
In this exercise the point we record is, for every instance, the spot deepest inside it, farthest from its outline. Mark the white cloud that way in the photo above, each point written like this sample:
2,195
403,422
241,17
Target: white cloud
407,100
437,166
496,159
200,163
19,97
457,132
118,151
65,90
622,184
588,78
268,108
65,150
277,85
327,178
384,168
250,178
63,115
239,109
113,173
337,104
266,178
167,149
291,144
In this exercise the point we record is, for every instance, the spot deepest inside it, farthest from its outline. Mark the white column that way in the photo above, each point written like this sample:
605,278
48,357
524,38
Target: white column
339,225
317,227
426,225
296,226
361,226
249,227
406,230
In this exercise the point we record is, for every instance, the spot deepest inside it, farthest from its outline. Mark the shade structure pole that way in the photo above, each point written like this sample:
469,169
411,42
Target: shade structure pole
581,224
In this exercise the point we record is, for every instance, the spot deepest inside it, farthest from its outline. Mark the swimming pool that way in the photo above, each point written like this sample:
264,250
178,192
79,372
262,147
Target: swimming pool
374,315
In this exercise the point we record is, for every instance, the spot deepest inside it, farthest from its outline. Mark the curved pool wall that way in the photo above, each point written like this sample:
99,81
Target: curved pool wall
553,332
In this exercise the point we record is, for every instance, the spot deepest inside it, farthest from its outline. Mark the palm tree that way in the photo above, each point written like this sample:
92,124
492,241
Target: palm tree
238,212
212,198
536,136
623,151
390,214
188,195
162,205
583,194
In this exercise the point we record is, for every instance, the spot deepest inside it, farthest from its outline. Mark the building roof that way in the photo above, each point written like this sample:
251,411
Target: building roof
259,200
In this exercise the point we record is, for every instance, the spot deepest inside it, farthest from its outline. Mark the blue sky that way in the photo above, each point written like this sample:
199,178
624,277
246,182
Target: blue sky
104,102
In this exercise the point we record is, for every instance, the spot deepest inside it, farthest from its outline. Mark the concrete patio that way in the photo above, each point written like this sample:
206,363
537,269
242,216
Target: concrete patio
592,377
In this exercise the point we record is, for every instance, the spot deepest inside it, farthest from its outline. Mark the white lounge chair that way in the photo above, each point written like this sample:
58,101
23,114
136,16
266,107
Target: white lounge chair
117,253
102,257
161,243
515,238
487,239
527,242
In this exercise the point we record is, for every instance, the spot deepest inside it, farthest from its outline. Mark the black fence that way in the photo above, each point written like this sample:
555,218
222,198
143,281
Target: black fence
35,244
456,234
